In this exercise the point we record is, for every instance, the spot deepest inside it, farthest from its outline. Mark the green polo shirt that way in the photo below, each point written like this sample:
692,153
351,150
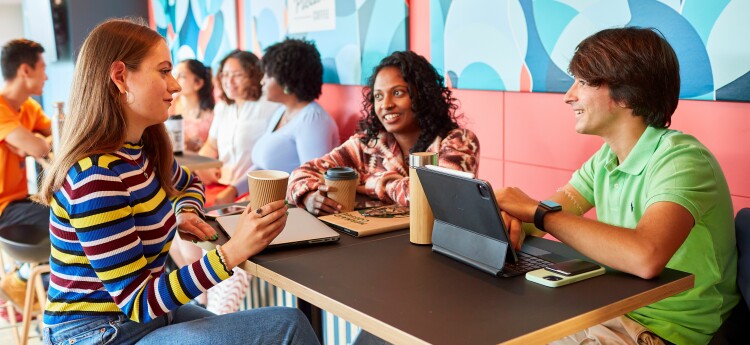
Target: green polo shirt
667,165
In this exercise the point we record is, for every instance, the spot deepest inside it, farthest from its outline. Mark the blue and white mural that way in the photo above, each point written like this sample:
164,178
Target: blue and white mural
525,45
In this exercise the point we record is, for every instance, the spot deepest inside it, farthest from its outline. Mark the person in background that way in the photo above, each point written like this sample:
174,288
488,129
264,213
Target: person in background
239,120
118,197
407,108
24,131
195,102
301,129
660,195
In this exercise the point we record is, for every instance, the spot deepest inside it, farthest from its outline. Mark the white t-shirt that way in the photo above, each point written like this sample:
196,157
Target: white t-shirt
236,129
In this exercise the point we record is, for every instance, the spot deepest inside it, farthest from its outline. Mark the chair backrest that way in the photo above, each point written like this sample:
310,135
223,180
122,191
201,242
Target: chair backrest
742,231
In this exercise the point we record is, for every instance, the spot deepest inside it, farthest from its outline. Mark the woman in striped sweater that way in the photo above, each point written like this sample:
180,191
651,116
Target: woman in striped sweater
117,198
407,108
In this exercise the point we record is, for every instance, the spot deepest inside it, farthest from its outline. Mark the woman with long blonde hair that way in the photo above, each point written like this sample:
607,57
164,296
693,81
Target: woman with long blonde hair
117,197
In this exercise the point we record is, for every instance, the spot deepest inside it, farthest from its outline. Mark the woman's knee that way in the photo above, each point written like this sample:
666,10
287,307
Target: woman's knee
287,315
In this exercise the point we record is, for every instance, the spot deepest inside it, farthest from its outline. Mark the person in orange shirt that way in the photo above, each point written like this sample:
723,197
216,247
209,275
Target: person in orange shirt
24,131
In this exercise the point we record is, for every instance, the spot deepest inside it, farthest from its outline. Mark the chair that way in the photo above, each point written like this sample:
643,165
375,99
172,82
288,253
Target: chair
27,244
732,331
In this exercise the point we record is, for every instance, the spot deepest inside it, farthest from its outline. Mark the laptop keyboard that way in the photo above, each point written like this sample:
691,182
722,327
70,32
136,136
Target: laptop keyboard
525,264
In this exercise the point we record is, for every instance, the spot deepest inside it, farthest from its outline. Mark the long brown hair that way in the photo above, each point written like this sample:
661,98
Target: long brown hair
96,121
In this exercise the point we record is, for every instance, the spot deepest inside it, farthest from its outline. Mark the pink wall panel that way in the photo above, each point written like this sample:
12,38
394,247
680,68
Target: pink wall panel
538,182
539,130
724,128
419,27
482,112
740,202
491,170
344,103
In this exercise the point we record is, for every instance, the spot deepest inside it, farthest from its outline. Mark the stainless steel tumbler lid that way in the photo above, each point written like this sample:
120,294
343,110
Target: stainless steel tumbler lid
420,159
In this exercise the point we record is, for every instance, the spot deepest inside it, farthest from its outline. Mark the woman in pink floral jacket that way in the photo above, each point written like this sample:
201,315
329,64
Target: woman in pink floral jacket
407,109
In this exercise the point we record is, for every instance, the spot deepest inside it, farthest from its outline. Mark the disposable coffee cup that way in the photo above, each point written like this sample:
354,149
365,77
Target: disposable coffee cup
266,186
344,181
176,133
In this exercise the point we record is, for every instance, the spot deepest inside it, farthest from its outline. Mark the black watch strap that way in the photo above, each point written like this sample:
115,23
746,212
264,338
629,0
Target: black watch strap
542,209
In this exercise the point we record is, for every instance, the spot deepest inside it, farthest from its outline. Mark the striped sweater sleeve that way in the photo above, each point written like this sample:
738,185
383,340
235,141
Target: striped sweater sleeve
114,225
190,186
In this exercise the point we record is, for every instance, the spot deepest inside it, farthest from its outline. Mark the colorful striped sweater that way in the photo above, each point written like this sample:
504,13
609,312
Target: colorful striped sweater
111,226
383,173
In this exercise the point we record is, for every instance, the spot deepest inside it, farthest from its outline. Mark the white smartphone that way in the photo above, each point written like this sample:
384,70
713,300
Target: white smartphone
564,273
225,211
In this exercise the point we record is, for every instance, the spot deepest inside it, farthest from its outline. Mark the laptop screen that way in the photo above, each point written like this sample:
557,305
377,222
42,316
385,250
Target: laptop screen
301,228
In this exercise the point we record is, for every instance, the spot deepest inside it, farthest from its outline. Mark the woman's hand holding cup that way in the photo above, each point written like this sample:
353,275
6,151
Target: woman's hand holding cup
255,230
318,203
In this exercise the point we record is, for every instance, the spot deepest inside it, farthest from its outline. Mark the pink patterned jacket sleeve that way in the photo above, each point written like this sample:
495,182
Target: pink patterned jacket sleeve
383,173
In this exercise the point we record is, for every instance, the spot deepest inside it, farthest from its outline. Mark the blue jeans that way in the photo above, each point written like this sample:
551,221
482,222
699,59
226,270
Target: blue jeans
188,324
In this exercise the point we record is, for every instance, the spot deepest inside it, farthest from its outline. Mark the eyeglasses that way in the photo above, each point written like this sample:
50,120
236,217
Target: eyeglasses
390,211
232,75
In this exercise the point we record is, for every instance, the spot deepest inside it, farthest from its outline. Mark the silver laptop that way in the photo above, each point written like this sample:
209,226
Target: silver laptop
301,228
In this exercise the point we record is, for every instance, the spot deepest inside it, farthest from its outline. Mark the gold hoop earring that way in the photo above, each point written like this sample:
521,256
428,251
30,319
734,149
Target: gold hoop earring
286,90
129,98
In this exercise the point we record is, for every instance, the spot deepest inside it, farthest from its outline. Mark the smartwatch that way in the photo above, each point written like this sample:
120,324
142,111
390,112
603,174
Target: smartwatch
541,210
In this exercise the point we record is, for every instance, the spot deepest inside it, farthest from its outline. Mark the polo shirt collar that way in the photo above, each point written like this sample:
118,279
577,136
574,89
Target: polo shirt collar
641,152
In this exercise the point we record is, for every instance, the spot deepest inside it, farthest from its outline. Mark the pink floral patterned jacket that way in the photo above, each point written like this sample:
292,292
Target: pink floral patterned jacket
383,173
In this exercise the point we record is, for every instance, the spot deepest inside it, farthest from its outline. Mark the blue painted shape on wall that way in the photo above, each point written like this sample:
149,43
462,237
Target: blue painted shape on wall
345,8
695,67
188,34
329,71
479,75
398,40
703,14
267,28
555,16
557,79
214,43
537,59
387,18
438,13
453,78
736,90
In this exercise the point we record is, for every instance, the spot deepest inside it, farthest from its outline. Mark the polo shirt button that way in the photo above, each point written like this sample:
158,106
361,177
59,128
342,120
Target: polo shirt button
617,185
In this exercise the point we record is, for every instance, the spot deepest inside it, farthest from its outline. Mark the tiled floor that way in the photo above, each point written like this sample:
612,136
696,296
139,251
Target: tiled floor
7,338
6,332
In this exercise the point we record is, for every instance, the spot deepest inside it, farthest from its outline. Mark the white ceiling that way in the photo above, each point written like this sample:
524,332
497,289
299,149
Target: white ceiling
10,2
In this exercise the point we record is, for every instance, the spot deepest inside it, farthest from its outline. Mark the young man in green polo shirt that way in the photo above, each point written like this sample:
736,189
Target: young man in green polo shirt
661,198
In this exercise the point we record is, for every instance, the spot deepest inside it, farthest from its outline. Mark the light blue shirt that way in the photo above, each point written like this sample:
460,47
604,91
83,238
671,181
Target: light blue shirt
309,135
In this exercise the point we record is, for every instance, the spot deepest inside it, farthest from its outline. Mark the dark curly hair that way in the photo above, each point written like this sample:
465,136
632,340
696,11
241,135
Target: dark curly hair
296,66
206,92
432,103
251,66
639,67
